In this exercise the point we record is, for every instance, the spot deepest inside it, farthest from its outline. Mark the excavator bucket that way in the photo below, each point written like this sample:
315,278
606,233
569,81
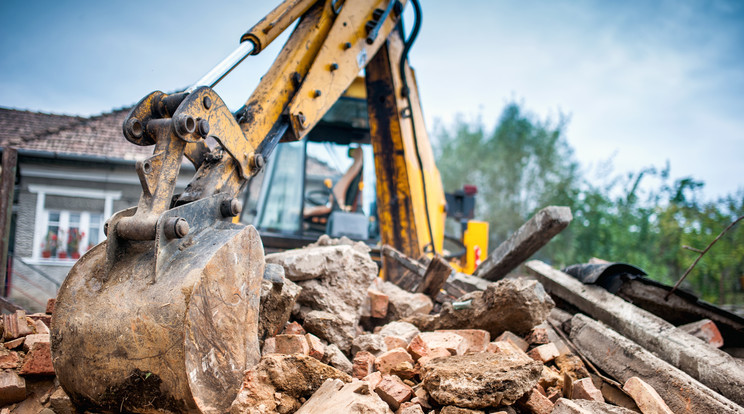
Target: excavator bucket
164,325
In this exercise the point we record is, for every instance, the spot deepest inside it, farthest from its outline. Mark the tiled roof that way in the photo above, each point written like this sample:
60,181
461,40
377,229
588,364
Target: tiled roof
99,135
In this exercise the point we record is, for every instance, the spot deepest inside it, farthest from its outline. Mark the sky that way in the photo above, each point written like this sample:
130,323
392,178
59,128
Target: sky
642,83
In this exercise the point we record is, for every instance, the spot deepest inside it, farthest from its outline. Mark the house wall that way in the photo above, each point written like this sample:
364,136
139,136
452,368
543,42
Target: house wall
36,278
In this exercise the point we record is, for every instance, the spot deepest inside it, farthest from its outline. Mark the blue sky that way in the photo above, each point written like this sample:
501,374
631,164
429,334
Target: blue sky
643,82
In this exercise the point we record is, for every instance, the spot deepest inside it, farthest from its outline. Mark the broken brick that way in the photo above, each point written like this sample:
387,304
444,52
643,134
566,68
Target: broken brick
391,359
434,353
538,336
316,347
514,339
292,344
565,406
476,339
14,343
293,328
452,342
363,364
418,347
30,340
50,305
706,330
584,389
452,409
378,303
12,388
392,342
507,348
373,379
15,325
544,353
645,396
393,391
38,360
536,403
269,346
9,359
410,408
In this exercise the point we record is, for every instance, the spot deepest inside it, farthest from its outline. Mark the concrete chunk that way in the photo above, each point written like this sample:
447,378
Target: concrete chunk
355,398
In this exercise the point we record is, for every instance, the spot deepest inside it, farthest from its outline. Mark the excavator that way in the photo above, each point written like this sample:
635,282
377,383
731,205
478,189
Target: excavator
162,315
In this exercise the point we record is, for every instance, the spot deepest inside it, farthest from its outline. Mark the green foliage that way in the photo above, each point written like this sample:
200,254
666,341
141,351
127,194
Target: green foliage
643,218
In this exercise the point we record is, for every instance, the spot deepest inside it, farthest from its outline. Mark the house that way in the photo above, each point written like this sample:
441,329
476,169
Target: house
72,174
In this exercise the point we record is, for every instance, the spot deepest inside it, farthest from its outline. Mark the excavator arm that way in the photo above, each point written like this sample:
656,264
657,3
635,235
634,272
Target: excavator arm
163,314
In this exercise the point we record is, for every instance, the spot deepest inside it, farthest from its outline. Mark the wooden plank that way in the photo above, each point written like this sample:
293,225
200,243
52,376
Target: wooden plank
527,240
7,188
434,278
710,366
622,358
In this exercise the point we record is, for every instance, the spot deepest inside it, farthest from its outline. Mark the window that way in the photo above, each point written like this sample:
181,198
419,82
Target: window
69,222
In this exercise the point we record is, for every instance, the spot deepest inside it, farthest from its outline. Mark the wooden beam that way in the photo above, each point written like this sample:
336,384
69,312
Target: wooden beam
622,358
7,188
523,243
712,367
435,277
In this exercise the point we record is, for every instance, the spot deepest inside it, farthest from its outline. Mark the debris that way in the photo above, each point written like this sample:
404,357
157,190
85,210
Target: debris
708,365
452,342
294,328
623,359
479,380
363,364
544,353
373,343
60,402
281,381
15,325
514,340
392,342
12,388
32,339
292,344
706,330
335,358
646,397
50,305
403,303
523,243
9,359
451,409
316,348
584,389
277,301
403,330
38,360
538,336
565,406
435,276
331,328
515,305
476,340
378,303
393,391
536,402
391,360
336,397
317,261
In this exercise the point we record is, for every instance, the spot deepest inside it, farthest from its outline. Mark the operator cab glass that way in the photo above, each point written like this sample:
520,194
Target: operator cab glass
324,184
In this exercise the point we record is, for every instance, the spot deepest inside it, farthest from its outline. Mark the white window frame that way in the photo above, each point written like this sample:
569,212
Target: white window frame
42,216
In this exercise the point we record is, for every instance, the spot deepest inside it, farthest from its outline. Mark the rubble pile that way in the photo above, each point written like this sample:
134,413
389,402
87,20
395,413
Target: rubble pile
336,338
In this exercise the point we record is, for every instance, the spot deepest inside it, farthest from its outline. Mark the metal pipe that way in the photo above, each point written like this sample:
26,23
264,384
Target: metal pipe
227,64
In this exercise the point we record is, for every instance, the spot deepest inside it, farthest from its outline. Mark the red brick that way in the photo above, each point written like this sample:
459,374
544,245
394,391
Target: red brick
434,353
38,360
50,305
363,364
14,343
30,340
391,359
514,339
393,391
15,325
452,342
292,344
410,408
538,336
373,379
9,359
43,317
41,327
645,396
706,330
508,348
317,349
392,342
418,348
584,389
293,328
544,353
378,303
12,388
269,346
536,403
476,339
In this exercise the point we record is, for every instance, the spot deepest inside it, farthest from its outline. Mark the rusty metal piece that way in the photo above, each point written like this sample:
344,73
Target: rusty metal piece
166,332
204,126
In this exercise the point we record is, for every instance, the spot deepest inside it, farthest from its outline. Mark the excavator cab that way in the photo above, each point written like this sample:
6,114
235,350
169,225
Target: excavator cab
324,184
